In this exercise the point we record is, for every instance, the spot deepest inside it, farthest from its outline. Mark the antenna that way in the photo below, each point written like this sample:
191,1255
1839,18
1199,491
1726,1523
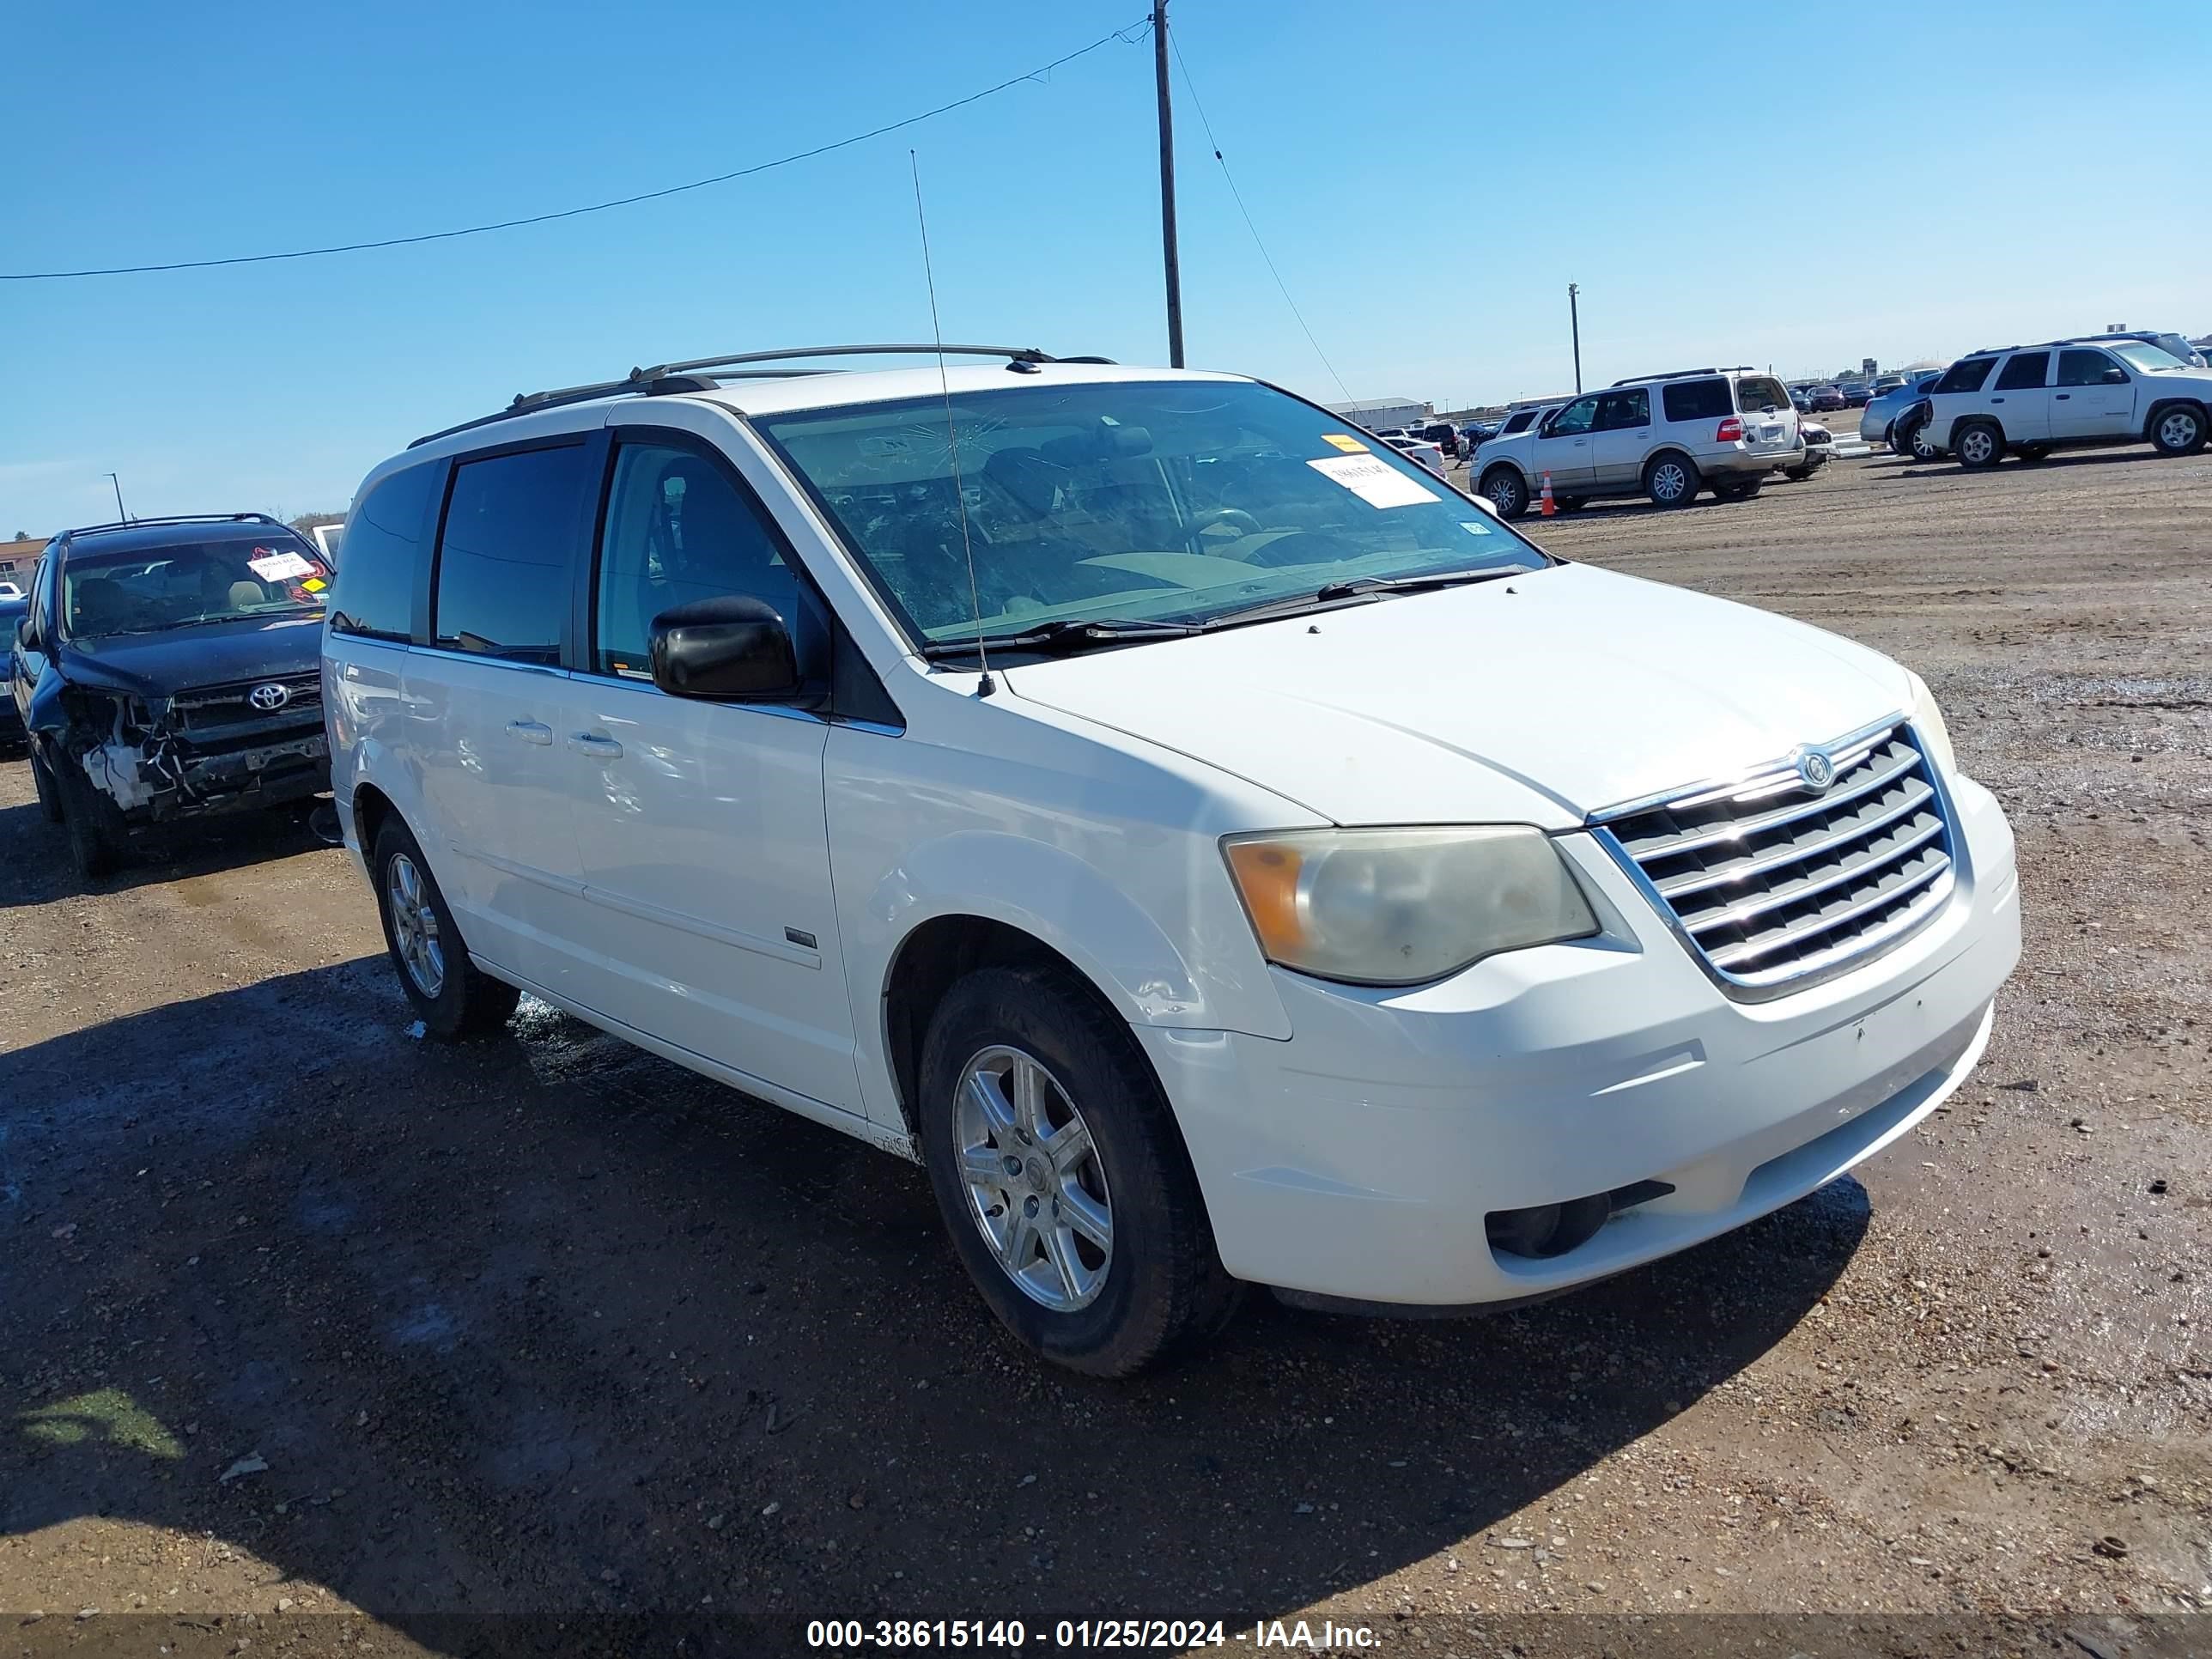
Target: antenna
985,686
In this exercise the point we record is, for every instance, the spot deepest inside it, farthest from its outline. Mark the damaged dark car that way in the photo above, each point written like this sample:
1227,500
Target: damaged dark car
169,670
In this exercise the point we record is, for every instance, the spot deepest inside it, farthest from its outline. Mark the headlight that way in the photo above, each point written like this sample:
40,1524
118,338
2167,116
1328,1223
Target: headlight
1928,722
1399,907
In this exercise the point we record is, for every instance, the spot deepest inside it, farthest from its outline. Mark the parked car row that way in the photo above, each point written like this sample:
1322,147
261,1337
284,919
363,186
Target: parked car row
1141,809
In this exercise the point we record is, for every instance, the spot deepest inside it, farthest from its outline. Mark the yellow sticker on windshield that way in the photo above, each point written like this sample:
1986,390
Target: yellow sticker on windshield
315,584
1344,441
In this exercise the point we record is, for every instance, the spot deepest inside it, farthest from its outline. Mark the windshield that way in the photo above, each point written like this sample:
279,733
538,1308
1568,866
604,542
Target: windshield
149,590
2146,357
1172,502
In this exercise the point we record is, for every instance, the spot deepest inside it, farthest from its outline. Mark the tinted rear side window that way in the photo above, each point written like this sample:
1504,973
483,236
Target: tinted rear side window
2026,370
505,556
374,596
1518,422
1698,400
1966,374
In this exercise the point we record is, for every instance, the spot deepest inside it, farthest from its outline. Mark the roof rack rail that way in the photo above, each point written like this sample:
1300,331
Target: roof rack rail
174,518
1688,373
705,374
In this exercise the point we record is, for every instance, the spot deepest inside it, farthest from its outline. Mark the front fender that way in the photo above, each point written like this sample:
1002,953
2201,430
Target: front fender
1070,906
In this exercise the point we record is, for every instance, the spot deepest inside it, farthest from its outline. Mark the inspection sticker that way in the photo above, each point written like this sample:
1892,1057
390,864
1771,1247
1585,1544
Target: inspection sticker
1375,482
1344,441
278,567
316,584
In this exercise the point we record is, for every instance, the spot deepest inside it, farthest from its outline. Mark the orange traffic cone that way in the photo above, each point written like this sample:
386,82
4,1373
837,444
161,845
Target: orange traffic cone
1550,507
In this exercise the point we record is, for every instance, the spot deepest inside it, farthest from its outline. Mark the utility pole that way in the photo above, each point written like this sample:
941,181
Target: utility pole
119,512
1575,322
1167,185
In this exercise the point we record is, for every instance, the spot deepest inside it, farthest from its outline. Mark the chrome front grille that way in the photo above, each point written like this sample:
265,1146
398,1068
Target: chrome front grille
1772,882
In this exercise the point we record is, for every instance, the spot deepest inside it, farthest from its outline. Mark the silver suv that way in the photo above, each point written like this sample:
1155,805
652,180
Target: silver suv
1665,436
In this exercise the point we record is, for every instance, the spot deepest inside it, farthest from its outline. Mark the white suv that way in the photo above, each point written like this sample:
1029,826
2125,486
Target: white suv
1218,850
2096,390
1664,437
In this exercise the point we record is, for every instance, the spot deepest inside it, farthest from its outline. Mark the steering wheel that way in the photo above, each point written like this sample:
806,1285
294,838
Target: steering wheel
1236,518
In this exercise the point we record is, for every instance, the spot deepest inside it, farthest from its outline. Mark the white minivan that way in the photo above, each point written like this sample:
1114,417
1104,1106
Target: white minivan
1220,851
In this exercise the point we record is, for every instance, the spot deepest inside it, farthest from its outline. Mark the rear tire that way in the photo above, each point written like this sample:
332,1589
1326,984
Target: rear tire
2179,430
1570,503
1978,446
1507,491
1738,492
1096,1139
453,997
1672,479
2034,451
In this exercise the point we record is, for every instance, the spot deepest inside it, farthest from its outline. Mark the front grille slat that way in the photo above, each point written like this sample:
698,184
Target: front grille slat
1909,798
1880,769
1768,882
1859,864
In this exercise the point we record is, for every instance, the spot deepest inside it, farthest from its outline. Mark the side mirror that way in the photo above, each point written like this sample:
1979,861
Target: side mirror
26,635
735,647
2114,375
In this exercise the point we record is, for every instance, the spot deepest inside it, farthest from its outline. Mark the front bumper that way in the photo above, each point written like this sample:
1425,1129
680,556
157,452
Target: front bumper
1358,1159
167,781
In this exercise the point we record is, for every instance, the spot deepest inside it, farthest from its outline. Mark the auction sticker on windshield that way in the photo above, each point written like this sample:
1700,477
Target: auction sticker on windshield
1344,441
1375,482
278,567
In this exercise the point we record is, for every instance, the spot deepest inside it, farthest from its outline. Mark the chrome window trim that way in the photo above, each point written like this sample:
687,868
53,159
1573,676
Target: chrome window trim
1950,887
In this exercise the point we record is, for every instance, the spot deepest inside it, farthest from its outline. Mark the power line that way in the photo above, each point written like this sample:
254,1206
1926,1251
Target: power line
1128,33
1191,87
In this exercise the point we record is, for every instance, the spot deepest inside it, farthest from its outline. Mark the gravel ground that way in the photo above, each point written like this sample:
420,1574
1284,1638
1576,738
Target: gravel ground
312,1335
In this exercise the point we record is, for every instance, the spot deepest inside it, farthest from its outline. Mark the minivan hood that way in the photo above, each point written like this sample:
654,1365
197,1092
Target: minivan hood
208,653
1536,699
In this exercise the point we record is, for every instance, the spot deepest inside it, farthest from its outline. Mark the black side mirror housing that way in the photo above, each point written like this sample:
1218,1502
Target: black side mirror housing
734,647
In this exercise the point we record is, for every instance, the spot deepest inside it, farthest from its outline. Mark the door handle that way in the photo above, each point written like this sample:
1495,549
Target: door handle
529,732
2063,396
596,745
1997,400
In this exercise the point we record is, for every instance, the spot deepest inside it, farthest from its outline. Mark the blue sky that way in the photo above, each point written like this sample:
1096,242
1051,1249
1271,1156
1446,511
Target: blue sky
1804,186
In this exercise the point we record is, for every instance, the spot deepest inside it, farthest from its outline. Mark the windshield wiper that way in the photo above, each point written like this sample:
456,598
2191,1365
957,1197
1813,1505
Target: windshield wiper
1355,587
1064,634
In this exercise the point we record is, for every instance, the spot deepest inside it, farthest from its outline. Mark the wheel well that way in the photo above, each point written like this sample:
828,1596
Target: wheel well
2150,421
1965,421
370,806
929,961
1496,467
1659,455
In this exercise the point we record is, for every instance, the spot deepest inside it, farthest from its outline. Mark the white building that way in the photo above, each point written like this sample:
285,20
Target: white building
1377,413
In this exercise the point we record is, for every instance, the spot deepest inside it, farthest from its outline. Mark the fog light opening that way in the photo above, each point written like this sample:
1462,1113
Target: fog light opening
1543,1230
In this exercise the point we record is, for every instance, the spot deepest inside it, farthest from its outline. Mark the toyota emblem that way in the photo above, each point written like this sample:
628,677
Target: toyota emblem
1816,770
269,697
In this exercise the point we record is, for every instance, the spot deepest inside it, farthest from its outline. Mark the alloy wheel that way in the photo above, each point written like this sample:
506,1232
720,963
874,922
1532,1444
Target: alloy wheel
2178,430
1037,1190
415,925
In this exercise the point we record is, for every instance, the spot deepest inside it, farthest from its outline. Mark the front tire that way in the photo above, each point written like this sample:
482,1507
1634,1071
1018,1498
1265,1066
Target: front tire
1507,491
1062,1177
451,996
42,780
95,841
2179,431
1978,445
1672,480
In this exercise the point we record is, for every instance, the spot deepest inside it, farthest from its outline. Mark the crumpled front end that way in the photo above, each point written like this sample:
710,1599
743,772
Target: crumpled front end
211,749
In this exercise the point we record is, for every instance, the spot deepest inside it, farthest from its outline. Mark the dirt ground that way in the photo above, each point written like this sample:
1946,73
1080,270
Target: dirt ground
315,1337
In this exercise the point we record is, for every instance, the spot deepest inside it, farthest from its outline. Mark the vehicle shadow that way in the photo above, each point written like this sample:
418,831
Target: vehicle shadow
35,859
541,1326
